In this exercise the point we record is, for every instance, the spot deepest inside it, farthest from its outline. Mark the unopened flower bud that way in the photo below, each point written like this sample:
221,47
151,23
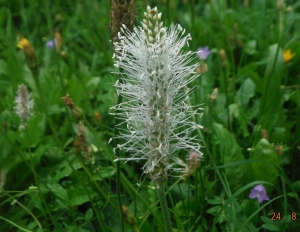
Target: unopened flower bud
128,216
214,94
202,68
77,112
223,58
193,162
280,5
278,149
264,134
58,39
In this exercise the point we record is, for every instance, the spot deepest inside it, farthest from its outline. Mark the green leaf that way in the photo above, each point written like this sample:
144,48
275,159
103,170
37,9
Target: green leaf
36,129
271,98
271,227
32,225
245,92
251,47
238,113
227,151
293,194
89,214
59,191
78,195
249,206
186,207
104,172
265,151
63,169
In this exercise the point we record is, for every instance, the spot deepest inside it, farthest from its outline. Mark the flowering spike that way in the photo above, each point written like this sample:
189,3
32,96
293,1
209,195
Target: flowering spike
154,75
24,105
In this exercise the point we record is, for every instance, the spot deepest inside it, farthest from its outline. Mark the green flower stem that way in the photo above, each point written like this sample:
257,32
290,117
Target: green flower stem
135,228
118,184
164,205
14,224
36,182
24,207
123,179
51,124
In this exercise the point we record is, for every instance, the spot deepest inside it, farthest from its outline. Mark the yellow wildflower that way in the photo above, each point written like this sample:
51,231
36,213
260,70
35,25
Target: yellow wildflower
29,52
96,115
24,43
287,55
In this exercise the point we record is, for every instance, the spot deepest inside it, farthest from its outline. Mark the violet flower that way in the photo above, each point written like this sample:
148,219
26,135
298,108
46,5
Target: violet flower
203,53
260,193
51,43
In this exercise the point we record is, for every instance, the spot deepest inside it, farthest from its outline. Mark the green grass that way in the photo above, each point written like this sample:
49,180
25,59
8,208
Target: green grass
251,126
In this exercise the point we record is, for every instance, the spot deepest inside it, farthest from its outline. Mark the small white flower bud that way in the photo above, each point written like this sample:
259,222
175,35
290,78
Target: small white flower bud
163,30
145,27
151,39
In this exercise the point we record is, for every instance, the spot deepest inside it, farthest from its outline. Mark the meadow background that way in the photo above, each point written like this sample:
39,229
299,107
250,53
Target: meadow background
250,95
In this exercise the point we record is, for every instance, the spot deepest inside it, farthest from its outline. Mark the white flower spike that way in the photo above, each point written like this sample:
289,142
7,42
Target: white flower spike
154,73
24,105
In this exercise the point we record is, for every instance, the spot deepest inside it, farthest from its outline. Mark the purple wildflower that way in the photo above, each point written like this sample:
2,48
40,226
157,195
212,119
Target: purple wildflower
203,53
260,193
50,43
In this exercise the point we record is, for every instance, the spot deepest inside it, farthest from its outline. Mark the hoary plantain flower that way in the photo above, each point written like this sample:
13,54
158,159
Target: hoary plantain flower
154,74
24,105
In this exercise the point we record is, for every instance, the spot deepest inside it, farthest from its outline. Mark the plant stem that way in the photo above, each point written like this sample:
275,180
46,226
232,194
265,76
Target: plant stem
164,205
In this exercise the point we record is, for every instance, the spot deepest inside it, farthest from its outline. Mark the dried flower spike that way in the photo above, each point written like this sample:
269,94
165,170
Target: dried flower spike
83,142
122,12
128,216
155,74
24,105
